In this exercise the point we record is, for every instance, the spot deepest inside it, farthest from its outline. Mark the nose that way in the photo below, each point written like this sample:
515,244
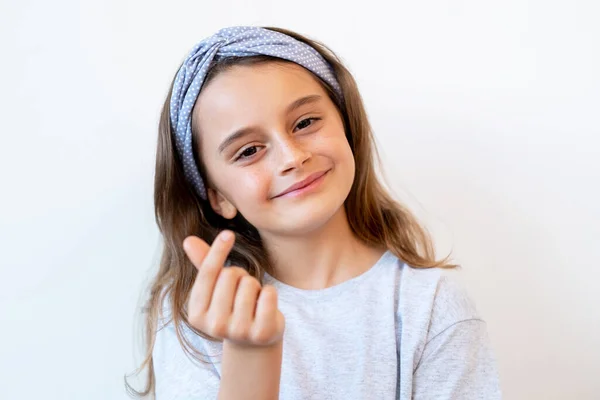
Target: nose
292,156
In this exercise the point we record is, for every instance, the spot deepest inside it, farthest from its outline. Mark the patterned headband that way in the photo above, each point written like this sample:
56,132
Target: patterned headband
237,41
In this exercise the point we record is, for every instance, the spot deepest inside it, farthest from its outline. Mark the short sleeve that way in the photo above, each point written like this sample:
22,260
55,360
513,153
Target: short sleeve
178,376
457,361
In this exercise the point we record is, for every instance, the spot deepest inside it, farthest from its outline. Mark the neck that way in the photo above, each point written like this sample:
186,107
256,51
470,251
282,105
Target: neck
326,257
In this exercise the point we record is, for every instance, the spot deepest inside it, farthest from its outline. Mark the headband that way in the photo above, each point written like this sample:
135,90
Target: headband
237,41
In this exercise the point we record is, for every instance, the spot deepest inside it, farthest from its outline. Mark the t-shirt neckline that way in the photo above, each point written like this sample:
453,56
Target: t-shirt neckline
285,290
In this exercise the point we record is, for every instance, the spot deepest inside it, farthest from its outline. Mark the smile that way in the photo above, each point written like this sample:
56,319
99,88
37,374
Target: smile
310,184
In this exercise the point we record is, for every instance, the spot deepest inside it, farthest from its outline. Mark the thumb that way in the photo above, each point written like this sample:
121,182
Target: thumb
196,249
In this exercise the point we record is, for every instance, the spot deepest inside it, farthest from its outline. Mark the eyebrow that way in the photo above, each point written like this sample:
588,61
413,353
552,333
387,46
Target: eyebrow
313,98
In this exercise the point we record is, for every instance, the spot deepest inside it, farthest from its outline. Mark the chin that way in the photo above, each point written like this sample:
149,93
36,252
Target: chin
308,215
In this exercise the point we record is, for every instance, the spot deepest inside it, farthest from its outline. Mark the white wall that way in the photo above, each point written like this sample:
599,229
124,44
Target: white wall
487,114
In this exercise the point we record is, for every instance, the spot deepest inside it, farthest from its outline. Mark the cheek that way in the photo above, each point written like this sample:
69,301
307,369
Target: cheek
248,186
334,145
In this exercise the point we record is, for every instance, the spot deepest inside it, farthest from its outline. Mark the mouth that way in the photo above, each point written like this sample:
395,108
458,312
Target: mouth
309,183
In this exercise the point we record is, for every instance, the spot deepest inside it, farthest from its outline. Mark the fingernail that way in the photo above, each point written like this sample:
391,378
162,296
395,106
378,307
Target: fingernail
226,235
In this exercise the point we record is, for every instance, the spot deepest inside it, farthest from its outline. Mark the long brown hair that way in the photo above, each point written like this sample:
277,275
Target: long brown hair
374,216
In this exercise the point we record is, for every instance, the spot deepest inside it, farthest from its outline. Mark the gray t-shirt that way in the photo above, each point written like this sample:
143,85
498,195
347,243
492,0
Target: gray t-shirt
394,332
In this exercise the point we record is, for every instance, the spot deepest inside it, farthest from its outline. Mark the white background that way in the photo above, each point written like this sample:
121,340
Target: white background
487,114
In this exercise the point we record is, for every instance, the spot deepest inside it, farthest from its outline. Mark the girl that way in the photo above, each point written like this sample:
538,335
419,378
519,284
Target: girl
317,284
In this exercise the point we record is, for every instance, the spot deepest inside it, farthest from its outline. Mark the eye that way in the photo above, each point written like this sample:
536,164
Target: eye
248,152
306,122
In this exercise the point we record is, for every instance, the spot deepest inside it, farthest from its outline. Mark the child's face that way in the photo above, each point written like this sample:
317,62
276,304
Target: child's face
247,173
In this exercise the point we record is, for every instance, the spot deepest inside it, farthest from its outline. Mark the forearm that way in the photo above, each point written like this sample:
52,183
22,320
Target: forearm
250,372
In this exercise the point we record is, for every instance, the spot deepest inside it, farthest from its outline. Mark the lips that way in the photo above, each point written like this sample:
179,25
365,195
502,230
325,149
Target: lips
303,183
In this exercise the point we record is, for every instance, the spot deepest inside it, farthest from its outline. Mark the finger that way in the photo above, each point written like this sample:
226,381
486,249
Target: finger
244,306
267,302
209,269
218,252
265,322
196,249
221,303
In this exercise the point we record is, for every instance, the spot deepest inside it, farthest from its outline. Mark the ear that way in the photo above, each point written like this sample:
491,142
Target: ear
220,204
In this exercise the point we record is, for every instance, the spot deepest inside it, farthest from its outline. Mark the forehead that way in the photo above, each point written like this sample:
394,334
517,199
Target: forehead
244,94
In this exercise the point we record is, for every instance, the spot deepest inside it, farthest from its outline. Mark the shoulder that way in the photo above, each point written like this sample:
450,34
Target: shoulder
434,298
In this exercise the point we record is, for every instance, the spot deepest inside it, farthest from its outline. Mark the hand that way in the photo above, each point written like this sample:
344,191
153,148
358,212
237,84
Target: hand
227,302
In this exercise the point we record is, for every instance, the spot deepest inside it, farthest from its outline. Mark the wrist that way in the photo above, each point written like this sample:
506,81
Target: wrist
247,347
250,371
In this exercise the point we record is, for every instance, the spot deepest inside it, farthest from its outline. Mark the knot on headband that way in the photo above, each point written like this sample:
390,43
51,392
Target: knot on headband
239,41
